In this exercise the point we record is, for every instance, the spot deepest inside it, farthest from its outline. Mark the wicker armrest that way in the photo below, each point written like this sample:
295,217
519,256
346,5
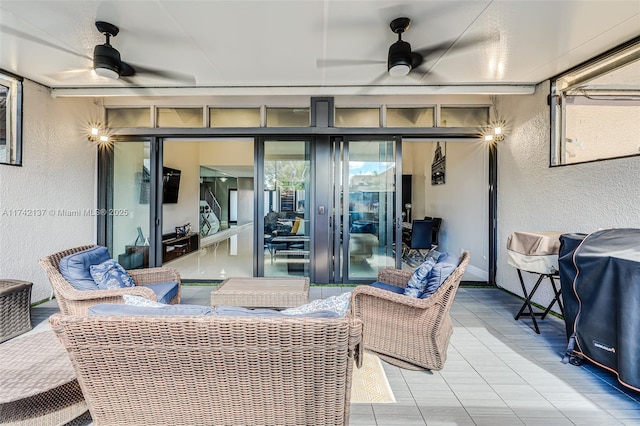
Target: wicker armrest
396,277
364,291
110,293
356,347
154,275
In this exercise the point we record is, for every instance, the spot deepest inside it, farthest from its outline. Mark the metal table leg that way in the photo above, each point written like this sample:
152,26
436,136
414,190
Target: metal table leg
527,302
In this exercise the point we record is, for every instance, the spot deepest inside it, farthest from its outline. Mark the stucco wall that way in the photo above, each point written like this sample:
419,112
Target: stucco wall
534,197
43,203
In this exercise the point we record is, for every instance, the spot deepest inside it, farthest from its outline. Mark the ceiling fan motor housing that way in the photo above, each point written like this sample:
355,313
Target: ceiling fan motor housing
106,61
399,61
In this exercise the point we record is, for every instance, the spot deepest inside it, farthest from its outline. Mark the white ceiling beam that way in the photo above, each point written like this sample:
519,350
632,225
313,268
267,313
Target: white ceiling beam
488,89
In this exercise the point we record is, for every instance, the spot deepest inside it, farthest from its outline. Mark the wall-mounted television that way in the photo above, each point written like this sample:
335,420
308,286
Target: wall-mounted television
170,185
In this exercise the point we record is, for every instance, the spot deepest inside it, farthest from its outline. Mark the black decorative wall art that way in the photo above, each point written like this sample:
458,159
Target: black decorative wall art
439,166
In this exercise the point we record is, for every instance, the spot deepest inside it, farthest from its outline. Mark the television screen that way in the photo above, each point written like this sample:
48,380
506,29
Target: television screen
170,185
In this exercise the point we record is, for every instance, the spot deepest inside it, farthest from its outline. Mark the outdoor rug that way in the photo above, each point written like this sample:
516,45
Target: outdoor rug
369,383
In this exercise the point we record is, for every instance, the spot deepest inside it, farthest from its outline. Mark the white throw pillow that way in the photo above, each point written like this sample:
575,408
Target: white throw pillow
141,301
338,304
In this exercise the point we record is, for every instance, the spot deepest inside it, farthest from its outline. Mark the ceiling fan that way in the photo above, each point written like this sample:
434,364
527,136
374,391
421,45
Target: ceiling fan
401,59
106,60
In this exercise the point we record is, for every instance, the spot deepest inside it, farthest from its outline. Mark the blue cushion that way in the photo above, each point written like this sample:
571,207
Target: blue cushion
119,309
110,274
75,268
164,291
246,312
440,272
387,286
418,281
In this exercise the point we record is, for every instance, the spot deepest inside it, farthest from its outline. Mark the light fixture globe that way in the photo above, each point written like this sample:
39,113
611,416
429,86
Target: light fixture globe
106,61
399,62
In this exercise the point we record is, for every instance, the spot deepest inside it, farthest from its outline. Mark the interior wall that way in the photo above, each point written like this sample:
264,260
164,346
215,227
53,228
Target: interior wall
246,200
226,153
46,204
535,197
462,202
184,156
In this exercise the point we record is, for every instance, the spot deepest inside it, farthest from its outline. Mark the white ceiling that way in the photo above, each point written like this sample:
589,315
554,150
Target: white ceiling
237,44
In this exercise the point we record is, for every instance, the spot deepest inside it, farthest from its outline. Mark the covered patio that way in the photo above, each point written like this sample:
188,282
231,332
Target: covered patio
498,371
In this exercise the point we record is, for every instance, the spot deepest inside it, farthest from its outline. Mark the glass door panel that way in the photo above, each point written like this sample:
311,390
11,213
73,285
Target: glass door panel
129,190
368,208
287,236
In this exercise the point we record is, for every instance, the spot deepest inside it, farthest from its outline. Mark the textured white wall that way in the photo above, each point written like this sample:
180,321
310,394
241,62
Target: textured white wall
56,180
534,197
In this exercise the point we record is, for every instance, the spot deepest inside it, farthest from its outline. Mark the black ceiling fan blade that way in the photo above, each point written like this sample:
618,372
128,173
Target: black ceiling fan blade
328,63
165,74
26,36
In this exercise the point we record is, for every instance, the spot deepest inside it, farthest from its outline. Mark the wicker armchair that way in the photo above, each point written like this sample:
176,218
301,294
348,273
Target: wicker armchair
76,302
213,370
405,331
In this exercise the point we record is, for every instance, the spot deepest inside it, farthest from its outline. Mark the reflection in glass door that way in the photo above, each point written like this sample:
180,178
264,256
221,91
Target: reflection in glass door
128,224
287,236
367,181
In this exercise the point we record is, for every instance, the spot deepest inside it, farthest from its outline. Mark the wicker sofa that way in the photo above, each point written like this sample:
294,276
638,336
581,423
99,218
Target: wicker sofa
213,370
76,302
405,331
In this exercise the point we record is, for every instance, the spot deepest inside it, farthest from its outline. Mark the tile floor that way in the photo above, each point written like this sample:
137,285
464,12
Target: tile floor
498,372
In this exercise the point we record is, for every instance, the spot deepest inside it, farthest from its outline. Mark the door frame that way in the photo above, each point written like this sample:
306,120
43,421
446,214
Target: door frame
156,136
341,233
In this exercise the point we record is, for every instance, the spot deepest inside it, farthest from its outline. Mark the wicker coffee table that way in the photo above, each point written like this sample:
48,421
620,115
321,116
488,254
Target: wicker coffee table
38,385
15,308
259,292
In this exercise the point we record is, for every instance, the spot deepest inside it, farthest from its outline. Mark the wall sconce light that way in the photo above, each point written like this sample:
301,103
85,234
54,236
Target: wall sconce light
98,134
494,134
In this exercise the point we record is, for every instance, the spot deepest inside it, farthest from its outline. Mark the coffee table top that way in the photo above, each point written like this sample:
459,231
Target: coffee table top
33,364
262,292
262,285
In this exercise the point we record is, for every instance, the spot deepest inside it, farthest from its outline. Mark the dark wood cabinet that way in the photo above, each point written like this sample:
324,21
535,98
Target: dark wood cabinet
174,246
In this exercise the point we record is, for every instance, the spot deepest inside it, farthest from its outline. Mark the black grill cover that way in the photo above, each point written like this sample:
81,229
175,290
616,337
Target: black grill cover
600,279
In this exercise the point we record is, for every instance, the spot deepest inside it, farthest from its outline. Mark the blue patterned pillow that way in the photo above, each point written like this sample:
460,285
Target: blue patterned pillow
338,304
110,274
418,281
446,264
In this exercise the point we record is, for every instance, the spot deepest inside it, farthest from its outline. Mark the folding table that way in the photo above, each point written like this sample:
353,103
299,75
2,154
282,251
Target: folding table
536,253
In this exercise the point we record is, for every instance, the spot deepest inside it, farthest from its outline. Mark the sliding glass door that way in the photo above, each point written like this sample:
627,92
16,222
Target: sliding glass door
127,212
287,220
365,174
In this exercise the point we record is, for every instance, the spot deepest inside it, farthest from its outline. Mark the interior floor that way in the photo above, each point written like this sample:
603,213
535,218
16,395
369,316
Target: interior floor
231,255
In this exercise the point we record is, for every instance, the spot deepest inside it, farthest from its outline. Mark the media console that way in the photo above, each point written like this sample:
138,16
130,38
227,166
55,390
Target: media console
174,246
